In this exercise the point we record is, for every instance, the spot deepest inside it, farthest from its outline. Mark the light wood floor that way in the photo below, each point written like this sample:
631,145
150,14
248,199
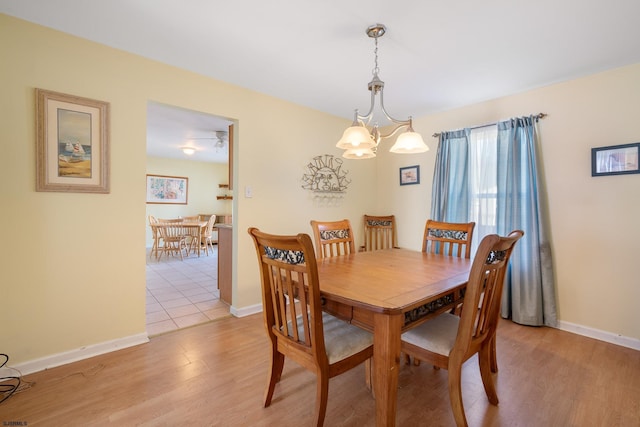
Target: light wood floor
214,375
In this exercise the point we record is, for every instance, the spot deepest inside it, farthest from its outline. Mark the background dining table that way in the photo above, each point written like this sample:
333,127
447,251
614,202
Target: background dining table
387,292
194,229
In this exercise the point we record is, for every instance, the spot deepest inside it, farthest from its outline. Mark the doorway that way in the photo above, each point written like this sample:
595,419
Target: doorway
187,144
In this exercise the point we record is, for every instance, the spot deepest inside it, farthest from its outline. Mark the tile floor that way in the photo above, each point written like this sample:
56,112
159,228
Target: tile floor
182,293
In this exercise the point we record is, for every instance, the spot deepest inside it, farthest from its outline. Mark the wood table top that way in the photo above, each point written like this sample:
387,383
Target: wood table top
391,280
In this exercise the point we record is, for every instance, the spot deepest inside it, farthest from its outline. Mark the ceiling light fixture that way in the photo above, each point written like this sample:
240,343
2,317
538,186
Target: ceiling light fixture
188,150
360,142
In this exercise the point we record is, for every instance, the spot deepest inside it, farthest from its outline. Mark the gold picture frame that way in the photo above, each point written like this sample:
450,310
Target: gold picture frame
72,144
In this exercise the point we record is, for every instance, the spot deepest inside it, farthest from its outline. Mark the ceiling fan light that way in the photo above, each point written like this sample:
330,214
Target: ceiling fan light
356,137
188,150
409,142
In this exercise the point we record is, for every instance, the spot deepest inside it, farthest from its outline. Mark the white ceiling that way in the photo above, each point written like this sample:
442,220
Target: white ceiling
436,55
170,128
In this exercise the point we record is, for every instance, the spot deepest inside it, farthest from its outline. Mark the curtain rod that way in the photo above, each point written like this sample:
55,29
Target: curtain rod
537,116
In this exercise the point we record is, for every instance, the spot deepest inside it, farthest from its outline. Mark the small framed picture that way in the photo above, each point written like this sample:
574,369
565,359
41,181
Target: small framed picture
167,189
410,175
615,160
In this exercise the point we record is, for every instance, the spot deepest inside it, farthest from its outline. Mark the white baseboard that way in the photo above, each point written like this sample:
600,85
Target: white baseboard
605,336
246,311
80,354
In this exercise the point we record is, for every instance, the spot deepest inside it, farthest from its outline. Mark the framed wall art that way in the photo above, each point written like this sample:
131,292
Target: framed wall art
615,160
410,175
72,143
167,189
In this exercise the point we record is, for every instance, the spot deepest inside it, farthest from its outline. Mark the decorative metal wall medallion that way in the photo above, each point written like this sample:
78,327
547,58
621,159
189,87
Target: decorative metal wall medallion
325,175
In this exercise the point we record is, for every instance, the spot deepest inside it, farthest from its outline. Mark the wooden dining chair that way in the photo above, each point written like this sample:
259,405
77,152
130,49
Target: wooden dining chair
174,237
333,238
194,237
153,221
379,232
295,323
208,234
448,238
447,341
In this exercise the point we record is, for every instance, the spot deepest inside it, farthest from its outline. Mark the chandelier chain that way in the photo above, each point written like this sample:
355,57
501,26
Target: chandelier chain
375,52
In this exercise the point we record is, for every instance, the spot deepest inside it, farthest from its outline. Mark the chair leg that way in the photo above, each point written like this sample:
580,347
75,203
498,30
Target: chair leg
277,363
455,395
484,356
322,396
368,376
407,360
494,360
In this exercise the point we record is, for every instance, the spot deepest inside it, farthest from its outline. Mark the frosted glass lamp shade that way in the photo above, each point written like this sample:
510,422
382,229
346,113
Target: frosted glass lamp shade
356,137
409,142
359,153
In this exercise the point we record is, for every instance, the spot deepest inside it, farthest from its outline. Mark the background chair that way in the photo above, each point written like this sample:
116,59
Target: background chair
333,238
174,237
379,232
156,236
448,238
295,323
208,234
447,341
195,234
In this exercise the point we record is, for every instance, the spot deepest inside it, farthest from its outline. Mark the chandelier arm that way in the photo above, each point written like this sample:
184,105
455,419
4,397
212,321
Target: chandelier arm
366,118
395,130
388,116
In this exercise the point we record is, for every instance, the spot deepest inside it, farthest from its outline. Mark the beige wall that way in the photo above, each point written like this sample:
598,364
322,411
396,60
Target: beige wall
73,276
203,188
594,221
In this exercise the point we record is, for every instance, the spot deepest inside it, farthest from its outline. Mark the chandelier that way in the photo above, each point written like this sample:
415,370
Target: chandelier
360,140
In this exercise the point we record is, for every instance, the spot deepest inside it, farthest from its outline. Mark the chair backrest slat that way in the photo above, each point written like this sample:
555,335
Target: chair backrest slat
333,238
379,232
448,238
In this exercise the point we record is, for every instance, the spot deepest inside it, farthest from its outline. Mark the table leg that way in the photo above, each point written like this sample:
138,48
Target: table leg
386,364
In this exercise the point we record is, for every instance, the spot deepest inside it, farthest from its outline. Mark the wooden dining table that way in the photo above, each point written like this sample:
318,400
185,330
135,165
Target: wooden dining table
388,292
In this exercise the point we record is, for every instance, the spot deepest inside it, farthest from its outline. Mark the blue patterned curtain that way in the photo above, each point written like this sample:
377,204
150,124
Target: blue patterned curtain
490,175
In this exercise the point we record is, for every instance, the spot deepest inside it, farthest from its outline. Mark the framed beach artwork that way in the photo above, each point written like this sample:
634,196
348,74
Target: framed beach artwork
410,175
615,160
167,189
72,143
